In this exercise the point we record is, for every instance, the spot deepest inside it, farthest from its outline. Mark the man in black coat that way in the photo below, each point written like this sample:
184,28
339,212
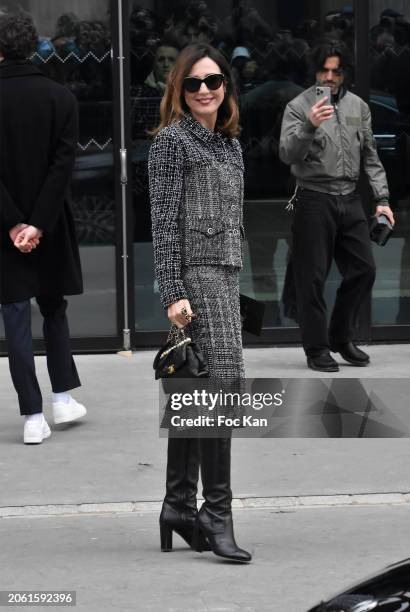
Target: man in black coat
39,255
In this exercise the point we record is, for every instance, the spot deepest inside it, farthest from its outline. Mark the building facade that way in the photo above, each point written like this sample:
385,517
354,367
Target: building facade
115,55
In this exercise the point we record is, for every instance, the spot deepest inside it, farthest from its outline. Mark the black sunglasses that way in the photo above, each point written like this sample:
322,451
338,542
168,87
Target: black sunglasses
212,81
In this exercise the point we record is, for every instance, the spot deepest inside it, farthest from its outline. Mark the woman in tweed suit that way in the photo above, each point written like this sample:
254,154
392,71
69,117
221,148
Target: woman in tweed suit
196,191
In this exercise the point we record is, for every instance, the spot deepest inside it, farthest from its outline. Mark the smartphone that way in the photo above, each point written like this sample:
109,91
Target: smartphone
380,230
322,91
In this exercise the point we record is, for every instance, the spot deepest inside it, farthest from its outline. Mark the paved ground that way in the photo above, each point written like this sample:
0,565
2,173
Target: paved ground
113,562
109,553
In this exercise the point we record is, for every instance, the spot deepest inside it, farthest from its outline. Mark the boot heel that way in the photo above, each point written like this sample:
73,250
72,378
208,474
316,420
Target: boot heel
166,537
198,540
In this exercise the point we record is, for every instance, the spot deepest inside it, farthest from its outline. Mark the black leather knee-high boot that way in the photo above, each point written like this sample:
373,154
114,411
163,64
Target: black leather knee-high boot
214,520
179,509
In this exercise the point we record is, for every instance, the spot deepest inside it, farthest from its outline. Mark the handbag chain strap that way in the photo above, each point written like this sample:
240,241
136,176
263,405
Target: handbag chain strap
174,346
177,338
176,334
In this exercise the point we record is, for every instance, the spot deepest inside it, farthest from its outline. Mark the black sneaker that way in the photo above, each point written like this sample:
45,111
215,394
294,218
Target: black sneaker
323,363
351,353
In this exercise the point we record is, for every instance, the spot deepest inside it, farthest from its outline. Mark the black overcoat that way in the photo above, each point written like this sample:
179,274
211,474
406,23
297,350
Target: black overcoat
38,138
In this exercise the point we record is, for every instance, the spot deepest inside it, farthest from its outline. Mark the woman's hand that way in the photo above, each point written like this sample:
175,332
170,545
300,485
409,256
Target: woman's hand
180,313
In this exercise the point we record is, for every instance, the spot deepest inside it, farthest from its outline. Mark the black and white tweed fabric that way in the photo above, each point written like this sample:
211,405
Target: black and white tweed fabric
196,191
214,296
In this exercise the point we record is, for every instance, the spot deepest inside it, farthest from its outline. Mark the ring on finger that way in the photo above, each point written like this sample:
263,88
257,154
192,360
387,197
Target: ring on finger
184,312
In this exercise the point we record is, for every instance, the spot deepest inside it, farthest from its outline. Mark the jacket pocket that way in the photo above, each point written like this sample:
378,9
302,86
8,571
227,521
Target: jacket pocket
204,241
211,241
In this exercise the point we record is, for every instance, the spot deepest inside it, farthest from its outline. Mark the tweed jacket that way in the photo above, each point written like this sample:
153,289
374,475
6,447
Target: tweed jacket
196,193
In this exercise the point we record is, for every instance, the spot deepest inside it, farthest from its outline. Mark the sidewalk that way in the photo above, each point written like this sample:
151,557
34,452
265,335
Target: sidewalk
114,564
116,456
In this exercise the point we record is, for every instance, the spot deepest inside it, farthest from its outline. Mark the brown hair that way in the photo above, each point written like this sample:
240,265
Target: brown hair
173,105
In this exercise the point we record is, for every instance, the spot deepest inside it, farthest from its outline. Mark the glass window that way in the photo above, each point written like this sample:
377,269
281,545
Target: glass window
74,49
267,44
390,106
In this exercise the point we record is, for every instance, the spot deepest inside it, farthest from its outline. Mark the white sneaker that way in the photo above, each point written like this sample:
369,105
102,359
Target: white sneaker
35,432
65,413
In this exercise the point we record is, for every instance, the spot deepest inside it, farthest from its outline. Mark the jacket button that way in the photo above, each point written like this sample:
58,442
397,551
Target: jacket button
210,230
235,232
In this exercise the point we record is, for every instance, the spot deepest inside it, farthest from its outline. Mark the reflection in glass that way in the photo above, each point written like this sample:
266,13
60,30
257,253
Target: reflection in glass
267,44
390,105
74,49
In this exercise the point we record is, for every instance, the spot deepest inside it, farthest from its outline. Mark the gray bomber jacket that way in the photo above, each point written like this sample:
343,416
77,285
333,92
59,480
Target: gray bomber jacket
196,194
328,158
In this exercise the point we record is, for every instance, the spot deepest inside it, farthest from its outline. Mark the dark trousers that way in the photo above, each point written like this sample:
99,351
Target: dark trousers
60,363
328,227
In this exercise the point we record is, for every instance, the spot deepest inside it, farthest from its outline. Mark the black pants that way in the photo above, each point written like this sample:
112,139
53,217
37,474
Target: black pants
326,227
60,363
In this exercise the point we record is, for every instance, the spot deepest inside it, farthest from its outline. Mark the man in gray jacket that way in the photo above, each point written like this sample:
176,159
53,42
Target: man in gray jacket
325,142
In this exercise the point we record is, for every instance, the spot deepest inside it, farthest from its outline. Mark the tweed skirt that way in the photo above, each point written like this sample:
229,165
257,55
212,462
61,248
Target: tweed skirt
213,292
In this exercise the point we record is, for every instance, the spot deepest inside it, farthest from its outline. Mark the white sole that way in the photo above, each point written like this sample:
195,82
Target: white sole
70,418
28,440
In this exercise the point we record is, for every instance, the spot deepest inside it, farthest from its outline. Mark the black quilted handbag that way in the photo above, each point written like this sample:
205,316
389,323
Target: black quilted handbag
180,357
